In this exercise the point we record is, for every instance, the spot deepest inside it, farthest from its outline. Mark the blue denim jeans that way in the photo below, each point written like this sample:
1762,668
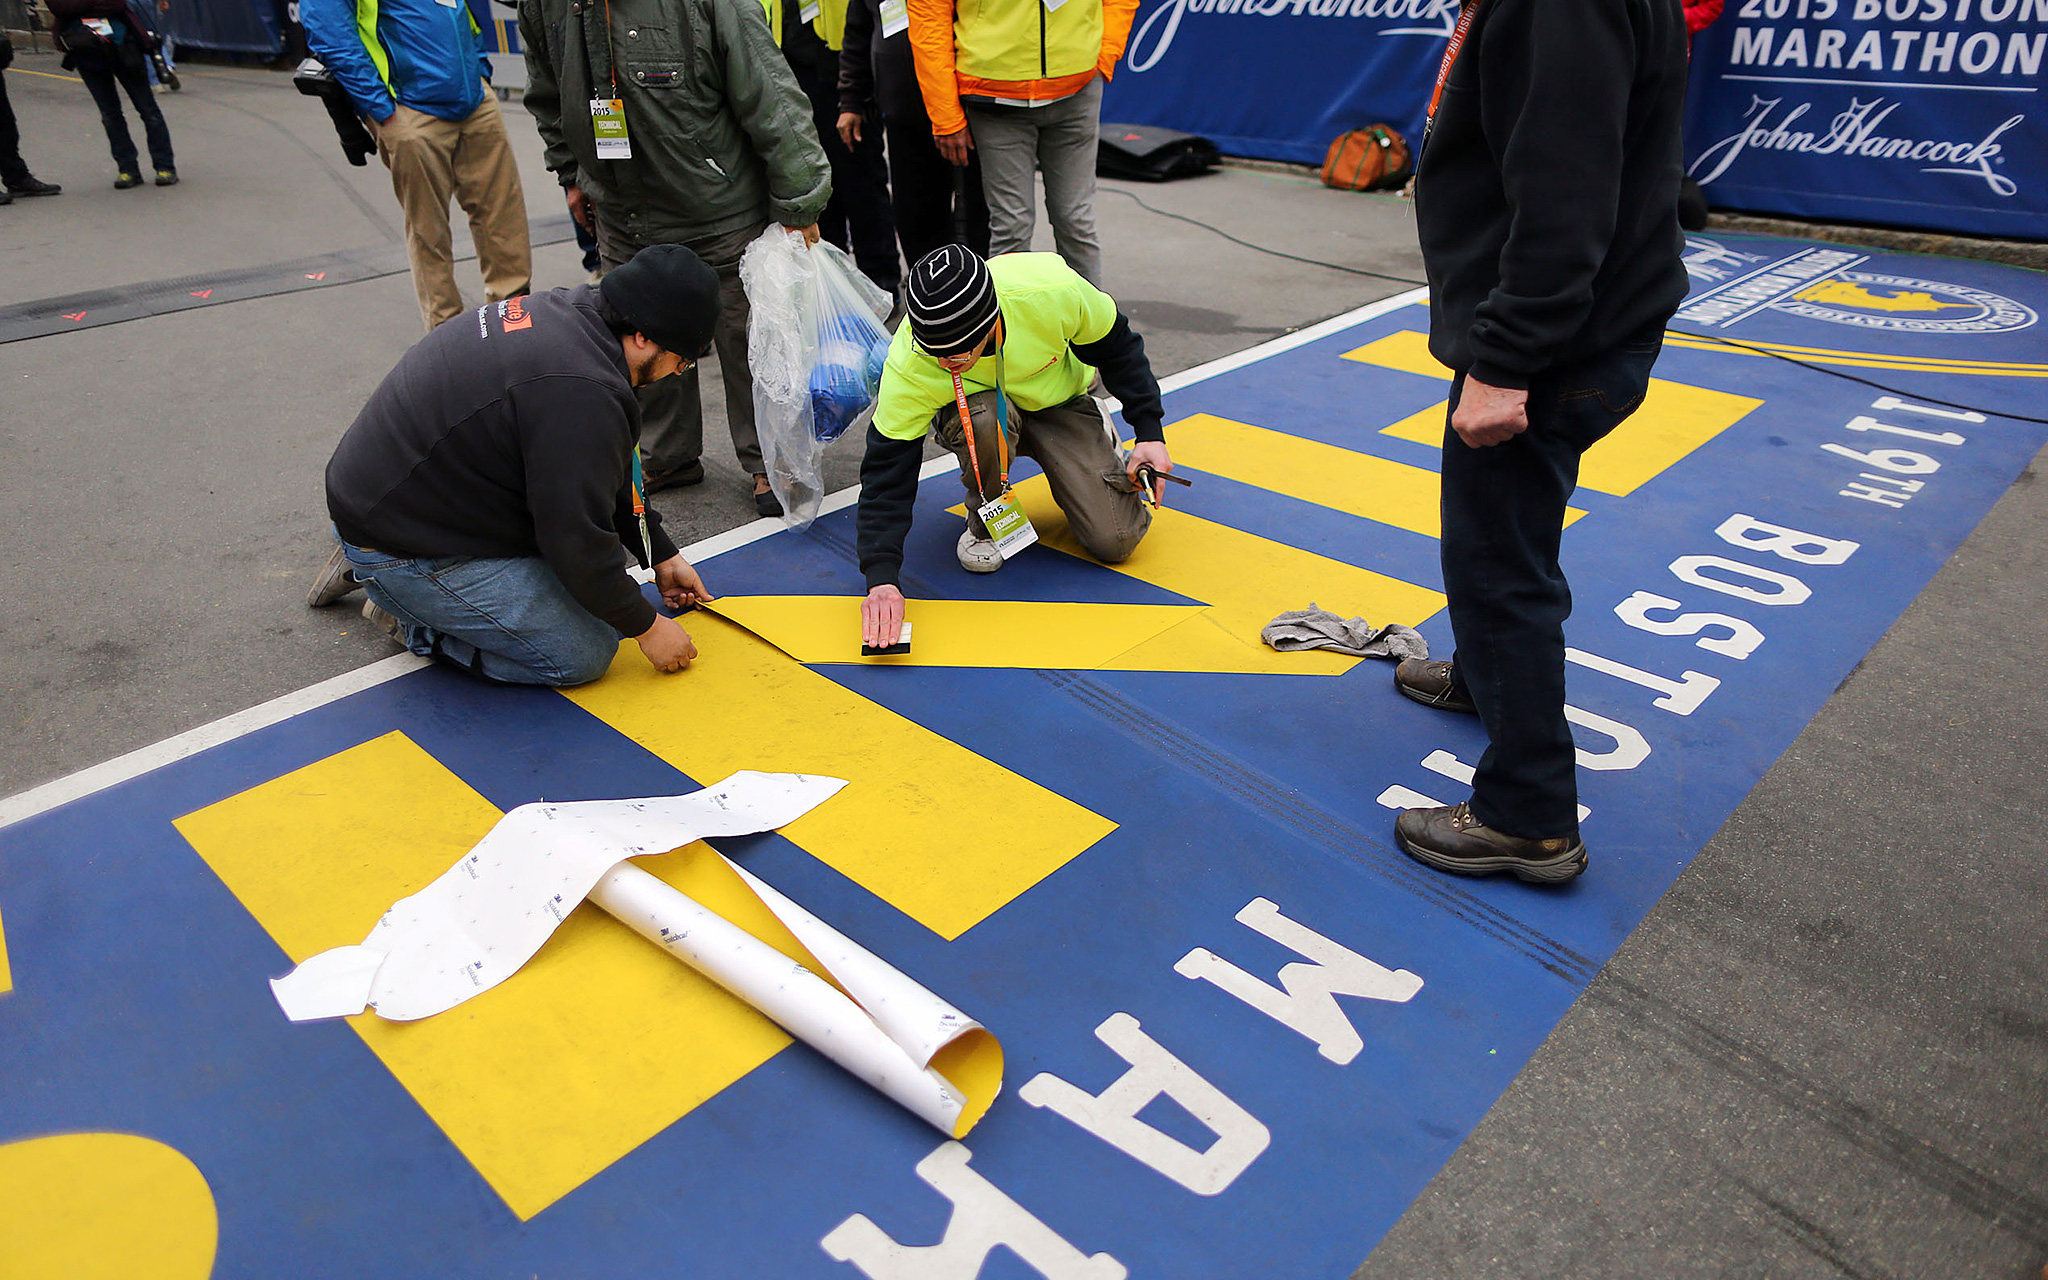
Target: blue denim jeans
508,620
1503,514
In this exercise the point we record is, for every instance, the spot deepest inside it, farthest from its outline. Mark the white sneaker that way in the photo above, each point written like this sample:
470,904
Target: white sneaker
977,555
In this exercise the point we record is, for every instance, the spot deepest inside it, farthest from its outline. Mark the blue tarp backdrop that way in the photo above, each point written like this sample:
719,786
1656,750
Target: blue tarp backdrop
1917,113
231,26
1921,113
1278,79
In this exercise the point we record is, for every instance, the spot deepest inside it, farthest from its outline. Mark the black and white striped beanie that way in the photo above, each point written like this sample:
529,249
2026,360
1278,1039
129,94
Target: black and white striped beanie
951,301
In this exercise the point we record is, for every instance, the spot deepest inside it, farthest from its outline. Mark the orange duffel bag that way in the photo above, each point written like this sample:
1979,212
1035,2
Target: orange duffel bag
1367,159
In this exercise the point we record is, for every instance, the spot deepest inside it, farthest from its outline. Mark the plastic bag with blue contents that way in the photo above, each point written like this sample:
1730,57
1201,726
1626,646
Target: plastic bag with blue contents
816,343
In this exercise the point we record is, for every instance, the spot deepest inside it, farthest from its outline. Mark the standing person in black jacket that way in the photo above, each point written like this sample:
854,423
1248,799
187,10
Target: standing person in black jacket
15,179
857,218
110,52
1547,204
878,78
488,493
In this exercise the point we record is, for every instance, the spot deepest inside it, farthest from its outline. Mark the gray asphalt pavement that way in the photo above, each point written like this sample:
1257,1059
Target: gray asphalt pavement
1825,1053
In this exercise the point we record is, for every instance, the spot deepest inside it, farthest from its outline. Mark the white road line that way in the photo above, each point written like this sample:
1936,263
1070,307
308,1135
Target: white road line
99,777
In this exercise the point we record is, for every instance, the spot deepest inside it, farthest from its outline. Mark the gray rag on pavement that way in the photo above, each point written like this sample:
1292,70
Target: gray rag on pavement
1314,628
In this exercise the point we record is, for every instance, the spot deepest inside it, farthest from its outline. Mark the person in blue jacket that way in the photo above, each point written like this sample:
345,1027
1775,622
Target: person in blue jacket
416,71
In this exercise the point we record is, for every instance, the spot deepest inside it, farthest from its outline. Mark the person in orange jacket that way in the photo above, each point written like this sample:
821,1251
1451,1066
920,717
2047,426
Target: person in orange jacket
1020,81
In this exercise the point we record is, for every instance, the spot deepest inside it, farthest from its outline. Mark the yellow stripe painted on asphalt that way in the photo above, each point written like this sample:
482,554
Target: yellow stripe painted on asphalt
1245,580
6,970
1344,480
1859,359
1676,418
1407,351
598,1043
920,826
960,633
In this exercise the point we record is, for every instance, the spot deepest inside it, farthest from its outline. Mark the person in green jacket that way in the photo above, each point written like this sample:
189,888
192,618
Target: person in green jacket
678,122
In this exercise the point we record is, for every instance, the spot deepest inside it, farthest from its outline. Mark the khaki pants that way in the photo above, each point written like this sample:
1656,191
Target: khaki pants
1071,444
671,414
432,159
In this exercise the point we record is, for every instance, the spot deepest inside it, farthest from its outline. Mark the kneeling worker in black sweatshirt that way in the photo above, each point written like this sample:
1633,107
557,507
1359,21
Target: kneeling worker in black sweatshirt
1547,204
1016,339
489,492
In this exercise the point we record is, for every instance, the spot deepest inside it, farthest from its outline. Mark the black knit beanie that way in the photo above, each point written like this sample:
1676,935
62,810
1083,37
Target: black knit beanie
669,295
951,301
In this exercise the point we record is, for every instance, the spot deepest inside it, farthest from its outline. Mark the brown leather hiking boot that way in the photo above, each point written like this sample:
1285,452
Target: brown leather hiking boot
1431,684
1451,839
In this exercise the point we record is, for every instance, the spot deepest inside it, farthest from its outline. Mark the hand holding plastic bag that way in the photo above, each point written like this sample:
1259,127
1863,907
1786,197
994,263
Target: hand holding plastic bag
816,344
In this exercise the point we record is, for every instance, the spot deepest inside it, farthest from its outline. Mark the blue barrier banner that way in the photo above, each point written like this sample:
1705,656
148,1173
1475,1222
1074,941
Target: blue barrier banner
231,26
1919,113
1279,79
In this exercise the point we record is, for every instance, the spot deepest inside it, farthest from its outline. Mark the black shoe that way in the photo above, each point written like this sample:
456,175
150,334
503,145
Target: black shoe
167,177
1433,685
125,180
34,187
680,478
767,503
333,582
1451,839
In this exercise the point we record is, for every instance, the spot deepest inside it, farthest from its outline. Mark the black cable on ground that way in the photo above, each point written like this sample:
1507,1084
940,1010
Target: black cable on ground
1258,248
1837,373
1702,337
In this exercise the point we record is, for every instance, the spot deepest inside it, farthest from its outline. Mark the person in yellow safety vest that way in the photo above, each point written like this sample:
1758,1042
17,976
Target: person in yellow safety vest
858,218
1021,82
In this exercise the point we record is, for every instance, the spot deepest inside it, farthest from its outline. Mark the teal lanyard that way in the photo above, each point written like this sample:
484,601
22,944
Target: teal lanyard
640,508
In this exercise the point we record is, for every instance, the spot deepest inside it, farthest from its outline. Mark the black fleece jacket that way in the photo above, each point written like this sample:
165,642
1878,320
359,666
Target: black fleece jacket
888,470
1547,200
506,432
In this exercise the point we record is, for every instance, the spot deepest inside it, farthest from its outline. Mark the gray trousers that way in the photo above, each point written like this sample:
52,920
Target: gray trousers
1059,141
1071,445
671,412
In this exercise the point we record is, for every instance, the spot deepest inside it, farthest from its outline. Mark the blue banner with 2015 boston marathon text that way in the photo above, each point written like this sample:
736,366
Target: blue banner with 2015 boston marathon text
1278,79
1917,113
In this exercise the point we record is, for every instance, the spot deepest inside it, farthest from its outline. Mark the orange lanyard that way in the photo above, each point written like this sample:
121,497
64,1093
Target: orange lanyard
1443,73
1002,432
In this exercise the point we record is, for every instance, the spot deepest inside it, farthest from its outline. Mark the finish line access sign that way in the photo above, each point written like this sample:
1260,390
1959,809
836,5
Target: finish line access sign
1242,1030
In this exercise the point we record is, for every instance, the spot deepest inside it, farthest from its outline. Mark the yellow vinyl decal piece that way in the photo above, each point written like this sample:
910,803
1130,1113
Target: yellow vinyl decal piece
103,1206
913,828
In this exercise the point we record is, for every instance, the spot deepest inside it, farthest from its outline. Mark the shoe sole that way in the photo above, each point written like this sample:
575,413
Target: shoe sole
1565,866
1462,708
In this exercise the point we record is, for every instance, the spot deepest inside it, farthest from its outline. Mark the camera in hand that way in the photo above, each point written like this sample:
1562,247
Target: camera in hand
315,80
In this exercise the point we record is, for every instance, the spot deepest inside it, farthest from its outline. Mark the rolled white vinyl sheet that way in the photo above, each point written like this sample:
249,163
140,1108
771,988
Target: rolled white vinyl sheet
855,1008
486,916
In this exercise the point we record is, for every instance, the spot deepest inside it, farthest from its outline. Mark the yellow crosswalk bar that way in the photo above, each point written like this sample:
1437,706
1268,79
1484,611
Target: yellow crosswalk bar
1676,418
922,824
1344,480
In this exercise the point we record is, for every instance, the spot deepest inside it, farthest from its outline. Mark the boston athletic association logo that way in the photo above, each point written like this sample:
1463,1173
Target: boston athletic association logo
1821,284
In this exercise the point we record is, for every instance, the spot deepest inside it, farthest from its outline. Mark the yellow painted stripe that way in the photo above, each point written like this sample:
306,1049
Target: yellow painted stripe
1425,427
597,1045
1676,418
1864,359
921,825
960,633
6,970
1407,351
1344,480
1245,580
